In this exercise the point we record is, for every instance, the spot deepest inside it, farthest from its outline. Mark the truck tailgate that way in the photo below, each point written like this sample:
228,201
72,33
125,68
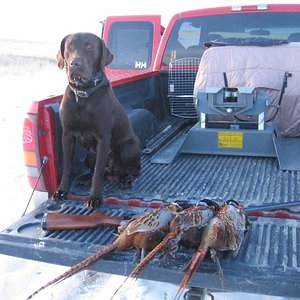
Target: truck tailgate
268,263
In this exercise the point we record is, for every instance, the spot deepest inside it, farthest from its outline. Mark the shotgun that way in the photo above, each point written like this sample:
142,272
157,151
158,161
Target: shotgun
59,221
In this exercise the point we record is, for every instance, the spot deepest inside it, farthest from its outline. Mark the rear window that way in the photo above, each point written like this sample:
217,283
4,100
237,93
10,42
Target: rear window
131,44
188,35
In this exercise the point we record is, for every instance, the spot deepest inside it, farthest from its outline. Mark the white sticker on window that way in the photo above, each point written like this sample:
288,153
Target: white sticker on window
140,65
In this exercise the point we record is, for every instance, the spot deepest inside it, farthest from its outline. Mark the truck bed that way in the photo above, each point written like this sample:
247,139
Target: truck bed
268,263
250,181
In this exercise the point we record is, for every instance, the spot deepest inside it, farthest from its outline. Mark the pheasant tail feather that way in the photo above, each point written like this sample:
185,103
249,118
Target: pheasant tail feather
195,261
161,246
78,267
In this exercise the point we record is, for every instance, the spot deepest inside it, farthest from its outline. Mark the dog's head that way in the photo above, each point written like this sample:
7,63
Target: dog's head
83,54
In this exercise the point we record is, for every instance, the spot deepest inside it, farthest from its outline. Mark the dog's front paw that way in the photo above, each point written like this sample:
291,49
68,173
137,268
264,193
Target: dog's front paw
59,195
93,202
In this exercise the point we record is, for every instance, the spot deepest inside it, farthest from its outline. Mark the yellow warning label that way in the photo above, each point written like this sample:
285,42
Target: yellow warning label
227,139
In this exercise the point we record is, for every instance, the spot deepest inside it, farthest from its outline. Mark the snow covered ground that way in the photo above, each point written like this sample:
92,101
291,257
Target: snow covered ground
21,82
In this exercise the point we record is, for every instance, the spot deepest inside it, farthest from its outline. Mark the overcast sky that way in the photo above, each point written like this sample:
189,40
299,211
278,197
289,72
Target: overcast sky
39,20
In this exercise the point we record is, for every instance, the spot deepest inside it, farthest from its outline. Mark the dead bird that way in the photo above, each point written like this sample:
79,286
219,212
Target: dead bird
224,232
194,217
141,232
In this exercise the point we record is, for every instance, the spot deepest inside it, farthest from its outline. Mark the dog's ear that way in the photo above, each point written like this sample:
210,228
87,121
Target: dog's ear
107,56
60,55
60,60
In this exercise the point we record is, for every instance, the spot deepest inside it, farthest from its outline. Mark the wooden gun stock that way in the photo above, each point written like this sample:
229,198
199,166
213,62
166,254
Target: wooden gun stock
59,221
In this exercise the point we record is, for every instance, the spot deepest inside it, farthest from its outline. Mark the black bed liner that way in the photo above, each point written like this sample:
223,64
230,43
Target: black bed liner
268,263
248,180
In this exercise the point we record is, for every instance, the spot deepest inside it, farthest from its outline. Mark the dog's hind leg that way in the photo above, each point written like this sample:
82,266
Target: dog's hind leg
129,157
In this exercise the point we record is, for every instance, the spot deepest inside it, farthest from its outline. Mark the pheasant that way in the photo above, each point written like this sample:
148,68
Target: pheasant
142,232
194,217
224,232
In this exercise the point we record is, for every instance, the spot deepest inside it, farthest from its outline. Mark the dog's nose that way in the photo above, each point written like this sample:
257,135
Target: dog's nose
76,62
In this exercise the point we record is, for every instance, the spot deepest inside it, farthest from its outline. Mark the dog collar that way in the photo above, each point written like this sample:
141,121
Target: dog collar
87,88
84,93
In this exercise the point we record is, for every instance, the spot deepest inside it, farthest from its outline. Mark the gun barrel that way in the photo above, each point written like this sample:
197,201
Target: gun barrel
268,207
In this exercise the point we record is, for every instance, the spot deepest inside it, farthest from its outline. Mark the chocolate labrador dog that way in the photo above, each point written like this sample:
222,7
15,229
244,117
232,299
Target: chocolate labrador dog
90,113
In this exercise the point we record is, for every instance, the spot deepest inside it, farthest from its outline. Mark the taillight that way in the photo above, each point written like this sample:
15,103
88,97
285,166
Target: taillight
31,154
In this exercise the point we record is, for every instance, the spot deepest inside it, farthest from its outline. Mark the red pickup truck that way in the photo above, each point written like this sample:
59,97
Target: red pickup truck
234,147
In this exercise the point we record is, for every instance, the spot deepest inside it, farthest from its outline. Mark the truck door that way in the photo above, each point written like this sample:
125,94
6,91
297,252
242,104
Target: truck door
134,41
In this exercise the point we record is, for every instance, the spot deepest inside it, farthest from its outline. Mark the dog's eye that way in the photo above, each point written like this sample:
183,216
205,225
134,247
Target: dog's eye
70,47
88,46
